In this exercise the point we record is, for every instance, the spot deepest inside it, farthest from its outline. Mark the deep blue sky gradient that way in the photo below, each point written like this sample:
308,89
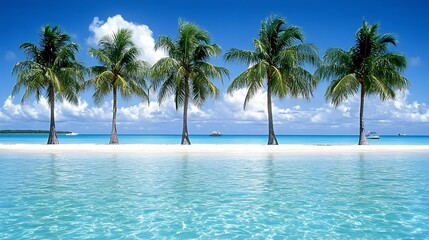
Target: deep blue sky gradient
231,24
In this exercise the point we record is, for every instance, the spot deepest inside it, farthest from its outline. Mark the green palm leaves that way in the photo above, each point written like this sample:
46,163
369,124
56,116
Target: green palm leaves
51,68
277,63
186,72
368,67
120,70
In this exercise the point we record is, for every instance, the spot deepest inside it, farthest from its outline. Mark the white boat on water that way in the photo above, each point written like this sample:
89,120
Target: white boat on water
372,135
402,133
72,134
216,134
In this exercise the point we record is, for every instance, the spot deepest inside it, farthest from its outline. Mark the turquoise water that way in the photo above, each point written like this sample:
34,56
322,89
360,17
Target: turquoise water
194,196
205,139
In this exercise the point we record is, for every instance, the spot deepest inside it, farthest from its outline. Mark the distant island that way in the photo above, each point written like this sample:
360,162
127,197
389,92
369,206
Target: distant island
30,132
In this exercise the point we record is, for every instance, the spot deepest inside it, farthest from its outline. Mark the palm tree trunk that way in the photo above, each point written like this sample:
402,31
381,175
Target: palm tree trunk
362,137
114,134
52,139
272,140
185,137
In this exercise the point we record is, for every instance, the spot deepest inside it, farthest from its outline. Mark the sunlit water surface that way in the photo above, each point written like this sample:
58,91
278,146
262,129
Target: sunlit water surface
206,139
81,196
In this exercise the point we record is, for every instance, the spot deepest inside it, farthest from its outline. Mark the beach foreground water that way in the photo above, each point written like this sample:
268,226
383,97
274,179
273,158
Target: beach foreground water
213,191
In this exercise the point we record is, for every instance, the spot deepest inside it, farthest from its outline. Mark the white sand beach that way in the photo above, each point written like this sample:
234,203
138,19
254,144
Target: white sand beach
208,148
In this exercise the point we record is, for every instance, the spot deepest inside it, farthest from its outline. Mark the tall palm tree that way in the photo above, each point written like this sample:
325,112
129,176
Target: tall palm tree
120,70
277,62
186,72
51,67
367,66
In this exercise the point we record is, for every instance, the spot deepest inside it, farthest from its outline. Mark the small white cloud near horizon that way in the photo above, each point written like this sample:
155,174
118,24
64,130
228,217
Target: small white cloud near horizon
142,36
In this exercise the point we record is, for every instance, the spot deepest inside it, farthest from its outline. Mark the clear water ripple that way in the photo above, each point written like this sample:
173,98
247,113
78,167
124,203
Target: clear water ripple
359,196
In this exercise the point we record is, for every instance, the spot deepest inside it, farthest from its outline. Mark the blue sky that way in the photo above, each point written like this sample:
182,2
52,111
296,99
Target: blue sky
231,24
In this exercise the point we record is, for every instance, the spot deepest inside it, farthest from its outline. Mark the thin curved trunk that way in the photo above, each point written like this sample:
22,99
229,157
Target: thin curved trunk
272,140
185,137
114,134
52,139
362,137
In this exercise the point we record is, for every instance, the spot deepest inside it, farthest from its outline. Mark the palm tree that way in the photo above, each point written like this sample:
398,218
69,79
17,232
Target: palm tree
278,61
120,70
186,72
367,66
51,67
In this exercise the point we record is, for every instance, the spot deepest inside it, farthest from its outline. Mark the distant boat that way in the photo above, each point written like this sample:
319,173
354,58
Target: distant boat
402,133
72,134
215,134
372,135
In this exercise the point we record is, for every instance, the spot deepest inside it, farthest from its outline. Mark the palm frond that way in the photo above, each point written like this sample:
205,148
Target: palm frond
244,56
340,89
300,83
165,43
120,68
166,89
337,63
100,55
186,73
252,89
278,60
252,76
51,67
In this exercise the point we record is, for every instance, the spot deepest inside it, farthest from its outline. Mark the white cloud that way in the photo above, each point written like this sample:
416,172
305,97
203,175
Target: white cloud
82,113
409,112
317,118
255,110
345,116
227,112
142,35
34,111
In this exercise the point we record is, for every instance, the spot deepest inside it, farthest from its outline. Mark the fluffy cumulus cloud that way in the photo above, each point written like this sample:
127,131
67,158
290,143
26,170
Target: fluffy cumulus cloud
226,113
409,111
378,114
142,35
97,118
256,110
31,112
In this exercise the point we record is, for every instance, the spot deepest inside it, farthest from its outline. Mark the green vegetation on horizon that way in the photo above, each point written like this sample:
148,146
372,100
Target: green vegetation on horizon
276,64
30,132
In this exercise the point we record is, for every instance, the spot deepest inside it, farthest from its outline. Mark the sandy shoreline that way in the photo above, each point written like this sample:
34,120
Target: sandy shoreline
208,148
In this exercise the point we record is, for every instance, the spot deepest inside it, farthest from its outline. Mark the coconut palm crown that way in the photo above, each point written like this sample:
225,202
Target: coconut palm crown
368,66
186,72
276,64
51,69
120,72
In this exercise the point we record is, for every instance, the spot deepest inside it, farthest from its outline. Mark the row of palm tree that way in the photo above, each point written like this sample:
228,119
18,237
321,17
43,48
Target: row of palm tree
276,64
51,67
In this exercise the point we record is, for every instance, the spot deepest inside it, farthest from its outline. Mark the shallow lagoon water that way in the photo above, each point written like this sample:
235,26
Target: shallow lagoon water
206,139
221,196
